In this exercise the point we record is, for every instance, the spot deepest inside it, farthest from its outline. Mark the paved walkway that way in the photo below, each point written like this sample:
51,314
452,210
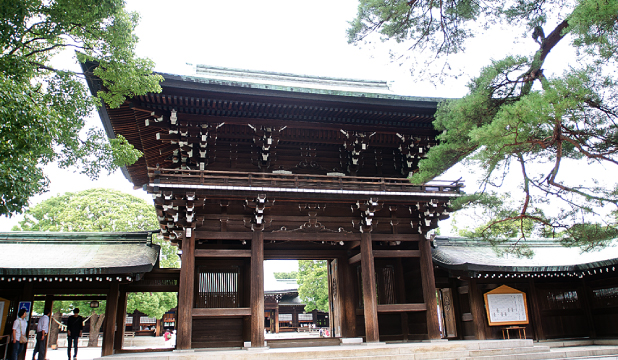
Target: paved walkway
91,353
87,353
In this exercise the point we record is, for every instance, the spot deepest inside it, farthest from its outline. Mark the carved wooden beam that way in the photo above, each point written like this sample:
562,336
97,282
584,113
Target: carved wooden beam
189,141
413,149
354,145
265,142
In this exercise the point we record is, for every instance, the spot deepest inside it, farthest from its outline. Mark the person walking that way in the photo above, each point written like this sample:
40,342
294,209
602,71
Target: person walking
42,329
20,328
75,325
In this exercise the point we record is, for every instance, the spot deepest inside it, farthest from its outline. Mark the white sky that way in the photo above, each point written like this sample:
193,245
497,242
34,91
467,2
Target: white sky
273,35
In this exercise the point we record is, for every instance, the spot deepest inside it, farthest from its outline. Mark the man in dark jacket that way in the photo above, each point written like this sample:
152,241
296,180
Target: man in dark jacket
75,326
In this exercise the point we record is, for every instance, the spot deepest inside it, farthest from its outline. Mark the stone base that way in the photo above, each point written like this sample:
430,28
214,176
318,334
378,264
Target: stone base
351,341
257,348
435,341
373,343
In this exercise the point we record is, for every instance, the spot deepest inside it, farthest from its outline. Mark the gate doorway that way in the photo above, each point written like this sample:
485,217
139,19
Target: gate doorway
300,301
153,330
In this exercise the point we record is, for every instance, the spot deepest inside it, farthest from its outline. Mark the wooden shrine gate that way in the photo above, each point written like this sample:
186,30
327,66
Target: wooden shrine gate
243,172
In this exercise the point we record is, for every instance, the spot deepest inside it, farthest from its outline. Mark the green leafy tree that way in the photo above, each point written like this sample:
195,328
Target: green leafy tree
286,275
97,315
152,304
43,108
98,210
103,210
522,121
313,284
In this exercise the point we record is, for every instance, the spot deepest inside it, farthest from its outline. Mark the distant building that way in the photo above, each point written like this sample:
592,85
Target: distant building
285,311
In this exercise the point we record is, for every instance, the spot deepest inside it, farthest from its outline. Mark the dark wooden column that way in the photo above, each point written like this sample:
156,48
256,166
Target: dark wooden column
401,298
477,309
331,305
135,322
121,315
257,289
246,298
429,289
586,304
294,316
347,292
49,303
111,308
370,298
276,320
536,311
185,294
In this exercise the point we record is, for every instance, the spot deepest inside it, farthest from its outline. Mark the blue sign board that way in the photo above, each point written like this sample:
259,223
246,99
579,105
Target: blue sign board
25,305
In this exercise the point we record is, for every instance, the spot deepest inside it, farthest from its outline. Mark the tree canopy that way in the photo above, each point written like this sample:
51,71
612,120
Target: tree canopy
97,210
105,210
313,284
43,108
522,121
285,275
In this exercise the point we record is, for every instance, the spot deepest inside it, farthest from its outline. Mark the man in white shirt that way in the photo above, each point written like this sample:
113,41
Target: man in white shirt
20,326
42,329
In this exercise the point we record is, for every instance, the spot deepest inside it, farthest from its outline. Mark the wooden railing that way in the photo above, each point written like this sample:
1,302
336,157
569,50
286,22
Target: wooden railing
297,181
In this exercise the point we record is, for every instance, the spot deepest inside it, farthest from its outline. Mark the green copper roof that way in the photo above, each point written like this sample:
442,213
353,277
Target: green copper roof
47,253
305,90
76,237
549,256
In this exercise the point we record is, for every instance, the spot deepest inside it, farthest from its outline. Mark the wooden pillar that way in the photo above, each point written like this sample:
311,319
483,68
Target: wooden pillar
429,289
586,304
457,307
135,321
246,299
49,303
477,308
347,292
314,316
185,294
276,319
111,309
331,306
536,311
370,298
294,316
257,289
401,298
121,315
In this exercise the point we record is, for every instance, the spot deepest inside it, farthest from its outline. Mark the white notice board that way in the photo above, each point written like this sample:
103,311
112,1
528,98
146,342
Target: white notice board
506,306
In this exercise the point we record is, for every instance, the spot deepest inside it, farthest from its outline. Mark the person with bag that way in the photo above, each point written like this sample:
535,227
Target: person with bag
20,334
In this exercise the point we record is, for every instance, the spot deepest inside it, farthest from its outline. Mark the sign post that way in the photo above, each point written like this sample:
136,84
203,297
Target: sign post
506,306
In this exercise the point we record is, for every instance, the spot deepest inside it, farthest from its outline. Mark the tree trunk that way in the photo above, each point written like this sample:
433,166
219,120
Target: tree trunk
95,326
53,329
